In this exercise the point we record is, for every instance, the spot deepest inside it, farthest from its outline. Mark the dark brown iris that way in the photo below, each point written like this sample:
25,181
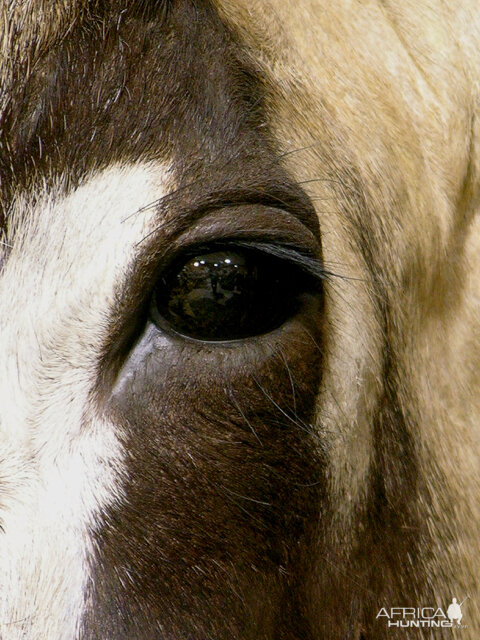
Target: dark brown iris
227,294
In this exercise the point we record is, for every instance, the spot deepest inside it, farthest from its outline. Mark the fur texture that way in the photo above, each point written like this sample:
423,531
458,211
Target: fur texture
291,486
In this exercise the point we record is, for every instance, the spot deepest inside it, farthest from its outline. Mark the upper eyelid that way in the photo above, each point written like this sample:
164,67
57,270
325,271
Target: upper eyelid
252,223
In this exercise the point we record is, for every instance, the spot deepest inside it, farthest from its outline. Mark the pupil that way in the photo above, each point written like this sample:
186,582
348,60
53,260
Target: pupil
225,295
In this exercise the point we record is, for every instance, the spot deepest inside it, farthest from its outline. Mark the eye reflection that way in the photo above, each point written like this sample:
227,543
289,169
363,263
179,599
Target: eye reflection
226,295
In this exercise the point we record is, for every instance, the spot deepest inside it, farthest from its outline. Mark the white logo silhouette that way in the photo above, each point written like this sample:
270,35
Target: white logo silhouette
454,611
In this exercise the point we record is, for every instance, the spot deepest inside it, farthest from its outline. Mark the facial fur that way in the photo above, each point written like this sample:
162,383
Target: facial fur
283,486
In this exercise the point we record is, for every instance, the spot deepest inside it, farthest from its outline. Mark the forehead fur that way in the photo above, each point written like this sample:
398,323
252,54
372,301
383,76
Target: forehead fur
332,98
124,82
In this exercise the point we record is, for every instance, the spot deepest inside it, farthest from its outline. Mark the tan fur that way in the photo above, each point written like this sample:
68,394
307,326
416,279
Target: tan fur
399,85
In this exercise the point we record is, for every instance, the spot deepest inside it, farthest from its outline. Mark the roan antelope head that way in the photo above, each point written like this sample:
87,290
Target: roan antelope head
239,319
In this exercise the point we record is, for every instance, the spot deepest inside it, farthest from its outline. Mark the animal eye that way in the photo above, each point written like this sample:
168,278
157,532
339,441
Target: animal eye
227,294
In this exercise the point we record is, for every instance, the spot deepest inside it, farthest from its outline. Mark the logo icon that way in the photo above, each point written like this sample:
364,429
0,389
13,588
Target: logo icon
432,617
454,611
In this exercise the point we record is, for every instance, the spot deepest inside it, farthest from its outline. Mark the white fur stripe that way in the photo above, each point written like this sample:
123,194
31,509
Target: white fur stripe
60,463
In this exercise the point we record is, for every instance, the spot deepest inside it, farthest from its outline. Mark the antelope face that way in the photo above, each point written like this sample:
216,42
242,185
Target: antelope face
216,415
